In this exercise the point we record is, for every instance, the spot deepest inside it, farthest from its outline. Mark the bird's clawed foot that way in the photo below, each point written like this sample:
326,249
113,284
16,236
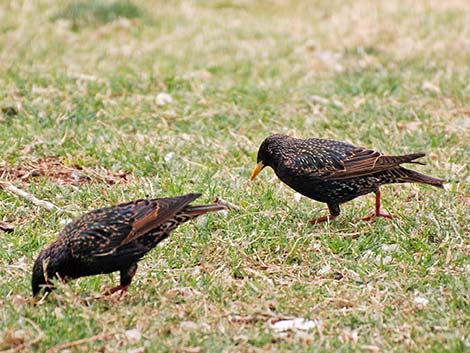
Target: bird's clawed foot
377,213
334,212
378,209
121,288
322,219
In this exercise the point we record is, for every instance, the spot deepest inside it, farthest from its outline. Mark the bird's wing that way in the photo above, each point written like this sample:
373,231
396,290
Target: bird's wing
97,233
363,162
104,231
345,161
160,212
317,160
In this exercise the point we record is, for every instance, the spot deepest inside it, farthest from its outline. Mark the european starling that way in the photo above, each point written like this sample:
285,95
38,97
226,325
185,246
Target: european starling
113,239
335,172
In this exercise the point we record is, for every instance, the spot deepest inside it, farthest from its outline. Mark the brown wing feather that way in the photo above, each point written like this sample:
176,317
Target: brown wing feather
101,232
155,213
364,162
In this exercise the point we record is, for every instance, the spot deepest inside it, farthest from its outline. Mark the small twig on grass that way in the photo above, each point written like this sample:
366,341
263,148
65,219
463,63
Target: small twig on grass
59,347
227,204
6,227
349,235
30,197
22,346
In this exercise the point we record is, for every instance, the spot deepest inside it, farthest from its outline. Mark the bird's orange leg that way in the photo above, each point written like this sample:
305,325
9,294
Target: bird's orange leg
324,218
378,210
121,288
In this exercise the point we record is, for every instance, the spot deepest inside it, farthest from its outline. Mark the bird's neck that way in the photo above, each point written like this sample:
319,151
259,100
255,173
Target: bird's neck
56,257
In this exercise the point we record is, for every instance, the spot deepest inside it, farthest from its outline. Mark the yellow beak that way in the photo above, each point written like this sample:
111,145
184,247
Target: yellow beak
258,168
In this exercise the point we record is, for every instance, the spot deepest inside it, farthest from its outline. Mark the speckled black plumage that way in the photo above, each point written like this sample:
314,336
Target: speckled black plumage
335,172
113,239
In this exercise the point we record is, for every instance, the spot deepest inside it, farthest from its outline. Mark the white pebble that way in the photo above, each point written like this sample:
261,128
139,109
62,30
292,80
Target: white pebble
169,156
421,301
163,99
294,324
133,335
325,270
390,247
297,197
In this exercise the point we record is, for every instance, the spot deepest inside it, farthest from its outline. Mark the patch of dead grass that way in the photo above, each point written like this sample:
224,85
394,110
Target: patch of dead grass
54,169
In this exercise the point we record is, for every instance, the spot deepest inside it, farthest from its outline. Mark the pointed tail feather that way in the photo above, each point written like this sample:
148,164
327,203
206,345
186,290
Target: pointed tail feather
414,156
194,211
407,158
415,177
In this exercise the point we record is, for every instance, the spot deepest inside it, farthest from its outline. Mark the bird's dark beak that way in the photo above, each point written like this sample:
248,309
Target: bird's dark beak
258,168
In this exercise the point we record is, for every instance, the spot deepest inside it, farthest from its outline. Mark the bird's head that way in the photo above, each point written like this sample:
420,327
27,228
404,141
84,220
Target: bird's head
267,153
47,266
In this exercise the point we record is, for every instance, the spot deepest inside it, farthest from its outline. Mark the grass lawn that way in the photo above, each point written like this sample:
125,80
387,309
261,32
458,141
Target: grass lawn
107,101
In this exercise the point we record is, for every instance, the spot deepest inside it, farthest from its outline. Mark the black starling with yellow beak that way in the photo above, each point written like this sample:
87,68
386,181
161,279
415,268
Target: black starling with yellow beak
335,172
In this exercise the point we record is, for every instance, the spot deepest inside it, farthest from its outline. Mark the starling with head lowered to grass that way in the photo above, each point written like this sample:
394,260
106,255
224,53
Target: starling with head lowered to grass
335,172
113,239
